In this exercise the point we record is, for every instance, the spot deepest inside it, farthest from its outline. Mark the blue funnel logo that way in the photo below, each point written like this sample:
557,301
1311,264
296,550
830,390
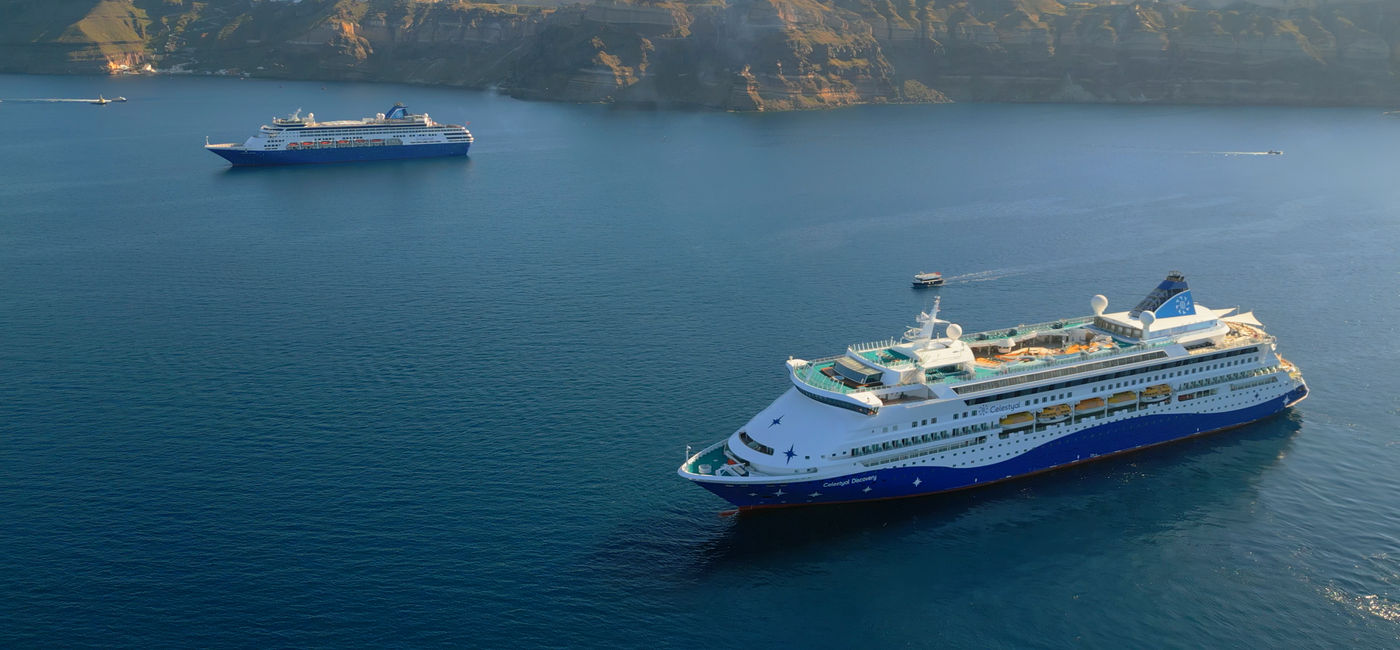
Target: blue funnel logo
1171,298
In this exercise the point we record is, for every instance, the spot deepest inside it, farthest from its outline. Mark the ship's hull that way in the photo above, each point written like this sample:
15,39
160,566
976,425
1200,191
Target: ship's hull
1093,443
245,158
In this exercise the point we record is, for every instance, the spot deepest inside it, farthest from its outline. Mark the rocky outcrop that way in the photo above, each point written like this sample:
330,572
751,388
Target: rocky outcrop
751,54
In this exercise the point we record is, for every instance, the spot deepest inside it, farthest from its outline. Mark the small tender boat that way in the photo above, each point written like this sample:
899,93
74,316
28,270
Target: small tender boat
1088,406
1155,394
934,279
1275,152
1053,414
1123,400
1017,421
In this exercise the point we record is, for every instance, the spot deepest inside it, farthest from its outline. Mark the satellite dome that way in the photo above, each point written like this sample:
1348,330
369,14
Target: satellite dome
1098,303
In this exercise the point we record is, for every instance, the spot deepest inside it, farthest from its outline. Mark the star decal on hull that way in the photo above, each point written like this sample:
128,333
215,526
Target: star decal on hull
917,481
777,420
790,454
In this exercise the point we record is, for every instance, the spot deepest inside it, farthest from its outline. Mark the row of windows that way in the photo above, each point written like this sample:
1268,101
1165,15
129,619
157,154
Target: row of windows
1256,383
919,439
370,126
836,402
1123,373
1127,332
1059,372
939,449
1234,376
1188,371
754,444
1196,395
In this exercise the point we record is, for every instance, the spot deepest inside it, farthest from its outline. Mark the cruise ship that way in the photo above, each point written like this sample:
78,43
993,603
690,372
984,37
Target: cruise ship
934,411
386,136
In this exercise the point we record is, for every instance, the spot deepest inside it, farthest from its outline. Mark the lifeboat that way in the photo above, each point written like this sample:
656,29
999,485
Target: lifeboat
1120,401
1053,414
1017,420
1156,394
339,142
1091,405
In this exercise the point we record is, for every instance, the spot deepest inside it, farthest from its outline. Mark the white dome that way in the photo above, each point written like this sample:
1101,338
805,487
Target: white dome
1098,303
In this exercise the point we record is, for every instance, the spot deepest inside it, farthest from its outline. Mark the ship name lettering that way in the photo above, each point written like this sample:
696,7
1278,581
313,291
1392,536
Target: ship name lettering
988,410
858,479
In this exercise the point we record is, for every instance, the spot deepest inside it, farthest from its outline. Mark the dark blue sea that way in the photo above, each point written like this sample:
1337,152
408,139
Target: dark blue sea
442,402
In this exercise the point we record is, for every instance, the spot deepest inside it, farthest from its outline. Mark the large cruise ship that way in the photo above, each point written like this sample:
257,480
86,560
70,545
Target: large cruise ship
938,411
386,136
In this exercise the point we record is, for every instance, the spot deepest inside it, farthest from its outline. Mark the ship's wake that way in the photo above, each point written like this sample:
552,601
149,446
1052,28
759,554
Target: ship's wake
981,276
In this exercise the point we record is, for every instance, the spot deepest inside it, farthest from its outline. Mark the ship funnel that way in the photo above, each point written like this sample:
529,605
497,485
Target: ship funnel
1171,298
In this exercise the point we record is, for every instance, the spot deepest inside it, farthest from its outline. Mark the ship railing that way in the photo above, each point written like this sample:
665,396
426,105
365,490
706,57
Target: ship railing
992,335
872,346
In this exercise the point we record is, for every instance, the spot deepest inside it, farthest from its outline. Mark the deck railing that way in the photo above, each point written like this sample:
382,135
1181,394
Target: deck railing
992,335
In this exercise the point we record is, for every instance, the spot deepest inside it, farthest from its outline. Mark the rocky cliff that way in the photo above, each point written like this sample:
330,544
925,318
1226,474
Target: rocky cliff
750,54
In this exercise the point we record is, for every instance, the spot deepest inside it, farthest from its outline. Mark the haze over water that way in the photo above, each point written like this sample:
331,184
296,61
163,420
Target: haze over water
442,402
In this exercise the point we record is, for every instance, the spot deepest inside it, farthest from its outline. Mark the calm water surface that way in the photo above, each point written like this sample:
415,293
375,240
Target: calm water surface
442,402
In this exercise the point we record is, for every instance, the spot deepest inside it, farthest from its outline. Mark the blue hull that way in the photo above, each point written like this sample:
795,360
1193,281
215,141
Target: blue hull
1090,444
242,158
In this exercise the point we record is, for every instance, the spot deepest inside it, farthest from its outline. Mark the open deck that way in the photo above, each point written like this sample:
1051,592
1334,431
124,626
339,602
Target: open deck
710,459
1019,360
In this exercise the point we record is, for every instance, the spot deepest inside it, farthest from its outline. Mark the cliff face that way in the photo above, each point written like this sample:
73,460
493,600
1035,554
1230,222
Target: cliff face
750,54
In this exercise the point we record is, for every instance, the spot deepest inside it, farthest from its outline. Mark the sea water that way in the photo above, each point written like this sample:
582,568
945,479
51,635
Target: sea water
442,402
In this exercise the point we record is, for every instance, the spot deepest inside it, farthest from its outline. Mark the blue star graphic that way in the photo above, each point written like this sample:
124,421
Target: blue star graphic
777,420
790,454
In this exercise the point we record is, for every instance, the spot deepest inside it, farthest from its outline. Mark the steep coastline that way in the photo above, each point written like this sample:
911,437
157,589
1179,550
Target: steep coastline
749,54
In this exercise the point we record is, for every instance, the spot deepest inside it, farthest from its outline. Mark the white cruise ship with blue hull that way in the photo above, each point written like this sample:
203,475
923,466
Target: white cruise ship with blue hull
939,411
394,135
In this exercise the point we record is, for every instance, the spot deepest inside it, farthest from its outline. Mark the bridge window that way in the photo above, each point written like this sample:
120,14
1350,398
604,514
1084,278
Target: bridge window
754,444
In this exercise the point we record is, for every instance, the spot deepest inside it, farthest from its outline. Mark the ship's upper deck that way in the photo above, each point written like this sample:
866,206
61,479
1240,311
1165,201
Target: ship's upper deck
870,375
397,116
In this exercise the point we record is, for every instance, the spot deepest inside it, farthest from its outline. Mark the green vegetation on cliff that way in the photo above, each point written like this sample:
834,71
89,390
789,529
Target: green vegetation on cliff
747,54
